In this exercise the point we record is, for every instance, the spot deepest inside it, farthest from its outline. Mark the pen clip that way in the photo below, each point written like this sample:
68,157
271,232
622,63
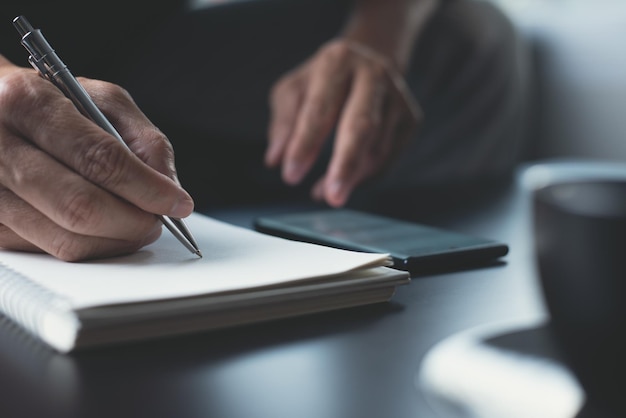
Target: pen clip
42,57
41,67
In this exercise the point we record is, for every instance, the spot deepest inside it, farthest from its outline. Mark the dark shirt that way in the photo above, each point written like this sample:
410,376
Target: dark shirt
86,34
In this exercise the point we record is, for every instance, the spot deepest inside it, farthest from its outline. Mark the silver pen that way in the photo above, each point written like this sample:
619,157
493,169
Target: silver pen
49,65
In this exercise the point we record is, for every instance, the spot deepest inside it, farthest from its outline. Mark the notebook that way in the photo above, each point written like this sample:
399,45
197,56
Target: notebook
162,290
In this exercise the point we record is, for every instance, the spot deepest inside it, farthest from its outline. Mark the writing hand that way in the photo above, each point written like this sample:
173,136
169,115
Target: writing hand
351,88
69,188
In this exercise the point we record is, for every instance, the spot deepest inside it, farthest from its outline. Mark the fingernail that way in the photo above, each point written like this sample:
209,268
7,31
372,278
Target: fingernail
277,138
293,172
335,187
337,193
182,208
271,155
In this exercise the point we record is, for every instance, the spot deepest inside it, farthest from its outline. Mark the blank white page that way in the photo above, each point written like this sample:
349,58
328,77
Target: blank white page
234,258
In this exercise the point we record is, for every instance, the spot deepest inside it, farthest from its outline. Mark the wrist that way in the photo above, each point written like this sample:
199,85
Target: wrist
389,27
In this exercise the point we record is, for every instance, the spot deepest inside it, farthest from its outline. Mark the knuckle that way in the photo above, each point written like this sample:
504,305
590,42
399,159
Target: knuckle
17,167
79,209
118,93
162,145
108,96
103,162
285,88
67,248
320,114
156,141
338,51
17,92
157,151
23,96
362,128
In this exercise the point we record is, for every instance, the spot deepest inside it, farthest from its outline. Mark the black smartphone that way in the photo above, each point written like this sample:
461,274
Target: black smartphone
414,247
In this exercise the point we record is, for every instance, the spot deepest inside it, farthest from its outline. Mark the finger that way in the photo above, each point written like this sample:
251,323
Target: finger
26,229
38,111
142,137
402,117
385,69
359,126
397,130
9,240
65,197
387,143
317,192
285,102
380,151
325,96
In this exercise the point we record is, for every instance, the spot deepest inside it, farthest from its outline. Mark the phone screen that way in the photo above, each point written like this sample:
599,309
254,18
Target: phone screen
414,247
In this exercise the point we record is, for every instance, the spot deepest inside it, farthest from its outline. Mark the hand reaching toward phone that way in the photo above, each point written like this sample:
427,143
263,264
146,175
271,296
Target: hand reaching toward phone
356,90
66,186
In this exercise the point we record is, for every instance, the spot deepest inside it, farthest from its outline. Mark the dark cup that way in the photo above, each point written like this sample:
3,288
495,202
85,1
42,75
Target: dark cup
580,238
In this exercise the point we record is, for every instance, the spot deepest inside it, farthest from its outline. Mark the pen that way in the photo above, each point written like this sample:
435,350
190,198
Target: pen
49,65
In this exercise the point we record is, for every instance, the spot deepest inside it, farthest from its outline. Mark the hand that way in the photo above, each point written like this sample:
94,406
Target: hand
350,87
69,188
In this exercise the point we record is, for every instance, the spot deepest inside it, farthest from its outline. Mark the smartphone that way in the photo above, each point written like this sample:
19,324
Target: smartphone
413,247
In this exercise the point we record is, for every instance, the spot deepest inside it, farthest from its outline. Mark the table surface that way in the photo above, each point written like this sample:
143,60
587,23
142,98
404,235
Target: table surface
359,362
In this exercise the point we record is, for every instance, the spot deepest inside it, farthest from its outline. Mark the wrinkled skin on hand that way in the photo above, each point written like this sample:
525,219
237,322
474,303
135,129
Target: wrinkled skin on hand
70,189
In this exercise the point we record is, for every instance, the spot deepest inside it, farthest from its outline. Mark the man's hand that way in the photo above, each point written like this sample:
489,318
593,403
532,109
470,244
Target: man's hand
355,90
69,188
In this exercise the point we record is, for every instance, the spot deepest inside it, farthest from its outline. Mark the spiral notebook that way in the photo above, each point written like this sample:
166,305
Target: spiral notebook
244,277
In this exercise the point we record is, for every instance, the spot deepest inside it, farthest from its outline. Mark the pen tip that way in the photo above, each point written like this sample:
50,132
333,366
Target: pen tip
199,253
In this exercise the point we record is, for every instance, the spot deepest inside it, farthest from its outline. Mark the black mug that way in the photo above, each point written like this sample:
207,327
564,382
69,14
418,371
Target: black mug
580,239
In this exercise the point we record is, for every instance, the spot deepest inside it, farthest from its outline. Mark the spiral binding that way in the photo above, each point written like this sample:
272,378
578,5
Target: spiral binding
26,302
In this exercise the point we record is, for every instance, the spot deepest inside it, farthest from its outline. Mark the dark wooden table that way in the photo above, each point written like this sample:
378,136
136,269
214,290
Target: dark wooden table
356,363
